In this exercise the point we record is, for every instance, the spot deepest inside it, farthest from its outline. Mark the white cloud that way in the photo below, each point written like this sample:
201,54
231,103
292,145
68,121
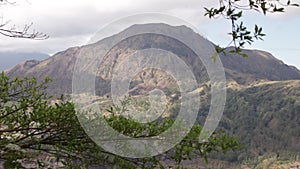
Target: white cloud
67,20
71,22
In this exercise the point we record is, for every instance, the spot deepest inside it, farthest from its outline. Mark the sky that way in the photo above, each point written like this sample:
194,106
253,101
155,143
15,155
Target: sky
72,22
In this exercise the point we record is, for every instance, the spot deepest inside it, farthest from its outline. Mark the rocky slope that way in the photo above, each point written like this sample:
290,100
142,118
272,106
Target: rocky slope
259,65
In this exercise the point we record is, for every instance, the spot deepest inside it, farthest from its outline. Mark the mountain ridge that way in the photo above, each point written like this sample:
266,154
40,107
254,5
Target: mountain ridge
262,91
259,65
8,59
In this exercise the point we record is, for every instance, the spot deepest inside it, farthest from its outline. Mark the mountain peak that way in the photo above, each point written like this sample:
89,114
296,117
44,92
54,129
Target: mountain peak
158,25
259,65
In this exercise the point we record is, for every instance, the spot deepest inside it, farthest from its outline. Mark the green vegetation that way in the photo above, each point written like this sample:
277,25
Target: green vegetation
264,118
38,131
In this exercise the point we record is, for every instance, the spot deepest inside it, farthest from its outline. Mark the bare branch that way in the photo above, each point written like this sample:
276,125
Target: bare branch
13,32
25,33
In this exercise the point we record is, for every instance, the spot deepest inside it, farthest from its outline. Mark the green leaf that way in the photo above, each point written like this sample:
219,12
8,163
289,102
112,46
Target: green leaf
229,12
244,55
256,28
221,9
239,14
263,7
275,9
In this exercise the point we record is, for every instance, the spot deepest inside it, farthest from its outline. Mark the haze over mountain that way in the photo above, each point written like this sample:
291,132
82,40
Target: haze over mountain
262,107
10,59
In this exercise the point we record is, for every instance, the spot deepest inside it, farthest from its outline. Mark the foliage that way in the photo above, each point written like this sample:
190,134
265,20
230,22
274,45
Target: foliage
264,118
188,148
35,128
233,10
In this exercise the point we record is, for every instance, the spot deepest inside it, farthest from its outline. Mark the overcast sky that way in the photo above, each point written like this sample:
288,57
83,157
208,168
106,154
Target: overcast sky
72,22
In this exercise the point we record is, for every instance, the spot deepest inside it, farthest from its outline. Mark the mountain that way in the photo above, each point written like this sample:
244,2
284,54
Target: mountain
262,107
259,65
58,67
10,59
